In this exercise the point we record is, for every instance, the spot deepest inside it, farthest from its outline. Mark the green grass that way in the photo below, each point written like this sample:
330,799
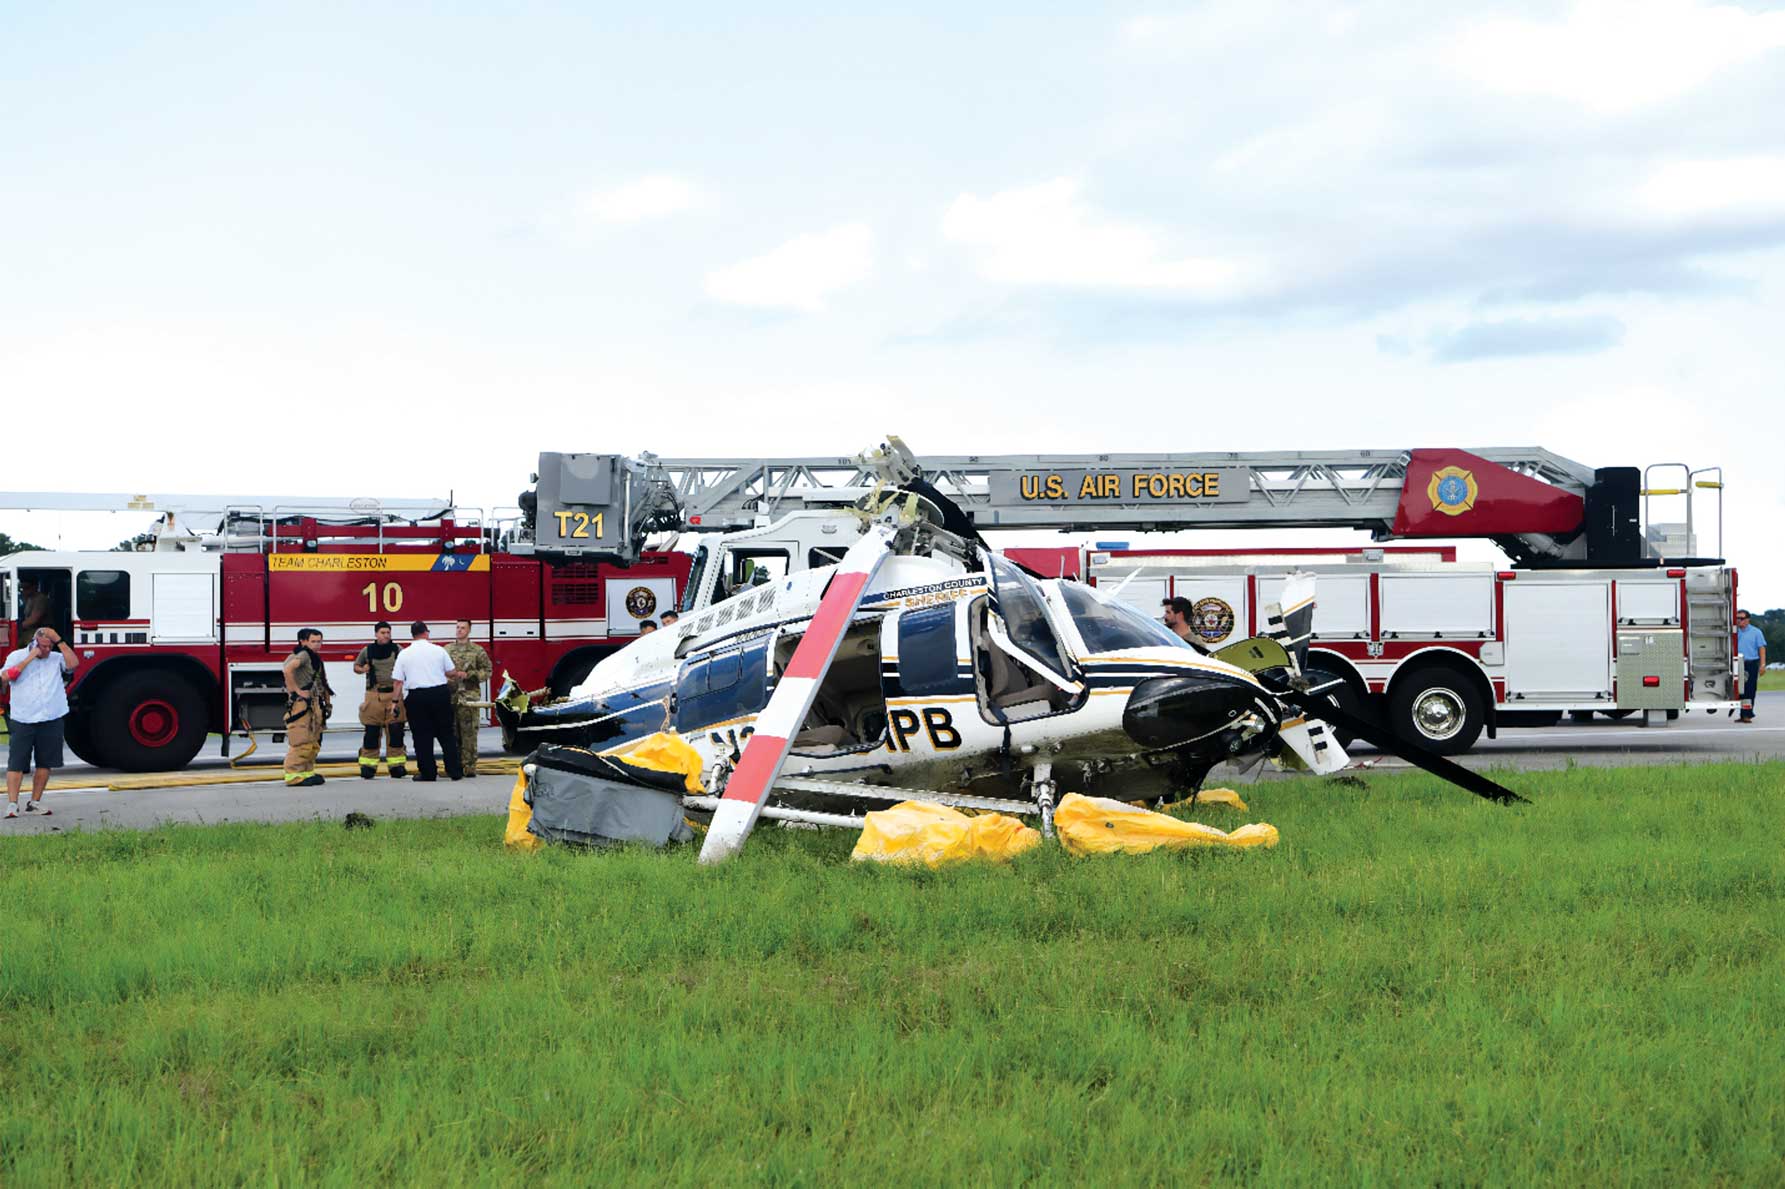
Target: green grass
1415,986
1772,681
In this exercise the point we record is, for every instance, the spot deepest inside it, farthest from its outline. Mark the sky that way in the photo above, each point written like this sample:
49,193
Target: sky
401,249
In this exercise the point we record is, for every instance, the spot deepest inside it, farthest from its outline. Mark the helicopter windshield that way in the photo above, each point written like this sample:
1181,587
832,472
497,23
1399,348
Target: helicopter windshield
1024,609
1114,626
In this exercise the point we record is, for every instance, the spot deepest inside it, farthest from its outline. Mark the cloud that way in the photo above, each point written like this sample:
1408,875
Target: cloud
1527,336
1048,235
1617,56
801,274
1753,185
654,196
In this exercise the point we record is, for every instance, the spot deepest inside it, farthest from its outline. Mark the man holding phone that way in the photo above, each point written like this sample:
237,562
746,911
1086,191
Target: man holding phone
36,676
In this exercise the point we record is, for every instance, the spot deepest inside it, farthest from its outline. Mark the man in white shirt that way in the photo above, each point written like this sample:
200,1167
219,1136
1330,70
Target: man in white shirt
420,679
36,678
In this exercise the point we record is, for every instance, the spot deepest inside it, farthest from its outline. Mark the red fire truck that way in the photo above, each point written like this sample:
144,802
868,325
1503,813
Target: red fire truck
185,637
1441,649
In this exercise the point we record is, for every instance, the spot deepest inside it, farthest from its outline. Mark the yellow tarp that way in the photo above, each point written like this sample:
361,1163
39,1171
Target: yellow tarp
519,814
920,832
665,752
1099,826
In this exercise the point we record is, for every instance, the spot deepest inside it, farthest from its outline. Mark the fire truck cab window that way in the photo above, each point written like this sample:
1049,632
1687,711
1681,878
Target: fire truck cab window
102,594
44,601
746,568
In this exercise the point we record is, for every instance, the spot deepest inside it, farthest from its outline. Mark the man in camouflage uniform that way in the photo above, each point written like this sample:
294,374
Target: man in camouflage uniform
307,696
468,718
382,711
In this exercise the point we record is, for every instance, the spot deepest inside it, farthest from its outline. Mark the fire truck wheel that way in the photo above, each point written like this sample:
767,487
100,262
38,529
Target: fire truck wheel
80,741
150,721
1439,708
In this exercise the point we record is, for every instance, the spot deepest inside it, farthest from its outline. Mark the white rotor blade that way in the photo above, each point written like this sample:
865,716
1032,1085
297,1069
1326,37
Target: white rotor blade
780,720
1290,620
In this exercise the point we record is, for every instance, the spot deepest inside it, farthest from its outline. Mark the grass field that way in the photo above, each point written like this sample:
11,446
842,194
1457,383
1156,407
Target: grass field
1416,986
1772,681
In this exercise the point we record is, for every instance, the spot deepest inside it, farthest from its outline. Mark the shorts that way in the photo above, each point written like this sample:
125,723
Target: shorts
43,738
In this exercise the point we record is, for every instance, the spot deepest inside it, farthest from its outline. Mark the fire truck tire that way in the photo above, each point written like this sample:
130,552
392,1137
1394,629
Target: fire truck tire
80,741
1581,715
149,721
1437,707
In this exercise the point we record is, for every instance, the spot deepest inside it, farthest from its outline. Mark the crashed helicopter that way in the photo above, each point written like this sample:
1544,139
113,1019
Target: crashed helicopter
925,665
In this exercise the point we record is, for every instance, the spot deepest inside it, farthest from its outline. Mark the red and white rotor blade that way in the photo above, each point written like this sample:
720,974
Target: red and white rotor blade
780,720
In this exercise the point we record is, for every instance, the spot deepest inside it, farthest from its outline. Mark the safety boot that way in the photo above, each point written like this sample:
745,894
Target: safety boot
398,766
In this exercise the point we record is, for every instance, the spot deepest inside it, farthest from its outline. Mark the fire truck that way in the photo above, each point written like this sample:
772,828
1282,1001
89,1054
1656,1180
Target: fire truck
185,635
1606,608
1440,649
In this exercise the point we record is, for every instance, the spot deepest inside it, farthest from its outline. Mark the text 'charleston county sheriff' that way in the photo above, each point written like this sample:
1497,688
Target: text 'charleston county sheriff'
1220,485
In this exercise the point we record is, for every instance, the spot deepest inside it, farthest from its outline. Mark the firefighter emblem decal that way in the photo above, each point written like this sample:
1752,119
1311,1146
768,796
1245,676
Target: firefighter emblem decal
640,602
1211,619
1452,491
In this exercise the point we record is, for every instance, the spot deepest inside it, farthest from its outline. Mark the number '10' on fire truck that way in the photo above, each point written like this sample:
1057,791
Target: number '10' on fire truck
185,636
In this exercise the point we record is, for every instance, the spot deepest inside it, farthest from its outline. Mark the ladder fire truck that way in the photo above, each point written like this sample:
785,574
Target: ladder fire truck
184,636
1605,609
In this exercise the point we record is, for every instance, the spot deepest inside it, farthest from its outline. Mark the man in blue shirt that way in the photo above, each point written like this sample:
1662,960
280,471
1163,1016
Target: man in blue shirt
36,677
1750,645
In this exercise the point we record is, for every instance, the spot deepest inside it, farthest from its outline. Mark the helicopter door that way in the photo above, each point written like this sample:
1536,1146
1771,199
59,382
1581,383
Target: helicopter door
849,711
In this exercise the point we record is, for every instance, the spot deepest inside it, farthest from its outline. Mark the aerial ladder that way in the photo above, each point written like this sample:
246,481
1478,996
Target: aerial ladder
1541,508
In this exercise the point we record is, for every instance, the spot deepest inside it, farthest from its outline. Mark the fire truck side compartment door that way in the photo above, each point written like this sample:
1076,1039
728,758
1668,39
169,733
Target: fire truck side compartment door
1651,602
630,600
1451,606
1558,640
184,609
1229,589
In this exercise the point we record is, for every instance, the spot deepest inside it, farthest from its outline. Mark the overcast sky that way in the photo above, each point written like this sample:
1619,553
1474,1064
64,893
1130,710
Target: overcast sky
392,249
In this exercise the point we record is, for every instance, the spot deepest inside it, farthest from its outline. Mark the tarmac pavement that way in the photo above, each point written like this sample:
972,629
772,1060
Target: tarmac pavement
1695,738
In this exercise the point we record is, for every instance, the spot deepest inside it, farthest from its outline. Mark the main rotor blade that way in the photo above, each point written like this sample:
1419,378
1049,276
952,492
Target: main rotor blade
1388,741
780,720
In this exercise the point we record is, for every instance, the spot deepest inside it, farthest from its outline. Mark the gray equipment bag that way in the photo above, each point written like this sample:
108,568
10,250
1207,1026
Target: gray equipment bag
586,810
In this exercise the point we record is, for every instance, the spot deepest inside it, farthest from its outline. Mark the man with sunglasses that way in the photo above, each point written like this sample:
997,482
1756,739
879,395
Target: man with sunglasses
1750,645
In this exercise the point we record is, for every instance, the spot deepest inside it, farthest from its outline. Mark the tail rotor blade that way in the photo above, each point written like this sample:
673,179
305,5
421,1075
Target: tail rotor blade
1393,744
780,720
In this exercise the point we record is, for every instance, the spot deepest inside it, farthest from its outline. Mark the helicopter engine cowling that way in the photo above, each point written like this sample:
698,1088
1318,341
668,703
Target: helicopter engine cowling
1172,712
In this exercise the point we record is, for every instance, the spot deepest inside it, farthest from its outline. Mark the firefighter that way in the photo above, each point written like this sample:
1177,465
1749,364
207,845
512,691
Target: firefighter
475,663
381,713
307,695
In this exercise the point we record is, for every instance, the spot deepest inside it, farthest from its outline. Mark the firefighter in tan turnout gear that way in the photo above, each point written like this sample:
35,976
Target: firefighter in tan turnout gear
307,695
382,711
468,690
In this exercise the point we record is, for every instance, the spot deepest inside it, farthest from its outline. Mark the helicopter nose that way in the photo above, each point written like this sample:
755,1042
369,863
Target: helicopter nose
1169,711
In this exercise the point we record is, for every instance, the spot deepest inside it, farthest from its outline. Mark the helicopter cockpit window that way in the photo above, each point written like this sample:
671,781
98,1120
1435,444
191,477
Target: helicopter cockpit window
1024,609
1114,627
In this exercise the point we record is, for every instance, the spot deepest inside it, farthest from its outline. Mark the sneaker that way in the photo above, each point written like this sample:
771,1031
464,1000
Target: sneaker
12,810
38,807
